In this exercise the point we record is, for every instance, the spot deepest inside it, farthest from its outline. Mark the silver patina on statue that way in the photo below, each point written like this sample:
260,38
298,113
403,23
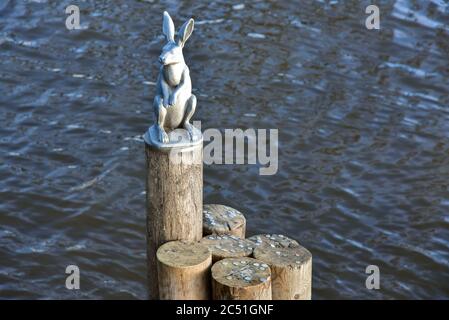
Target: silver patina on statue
174,103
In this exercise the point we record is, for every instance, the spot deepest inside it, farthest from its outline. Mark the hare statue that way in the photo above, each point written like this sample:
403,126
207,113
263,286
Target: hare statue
174,103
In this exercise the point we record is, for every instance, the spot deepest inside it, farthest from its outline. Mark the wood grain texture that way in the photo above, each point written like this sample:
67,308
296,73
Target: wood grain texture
241,279
291,271
174,200
184,271
221,219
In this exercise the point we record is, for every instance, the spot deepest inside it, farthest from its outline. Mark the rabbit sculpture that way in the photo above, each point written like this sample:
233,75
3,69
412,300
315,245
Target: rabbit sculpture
174,103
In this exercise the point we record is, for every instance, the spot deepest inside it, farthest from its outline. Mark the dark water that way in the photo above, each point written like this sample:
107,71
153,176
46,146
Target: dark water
363,119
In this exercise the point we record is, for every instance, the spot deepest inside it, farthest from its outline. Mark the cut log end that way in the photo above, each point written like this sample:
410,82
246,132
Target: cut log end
241,272
241,279
227,246
283,257
181,254
273,241
220,219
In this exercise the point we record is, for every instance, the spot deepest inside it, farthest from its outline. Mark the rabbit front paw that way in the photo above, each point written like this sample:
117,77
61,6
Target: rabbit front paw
163,136
172,100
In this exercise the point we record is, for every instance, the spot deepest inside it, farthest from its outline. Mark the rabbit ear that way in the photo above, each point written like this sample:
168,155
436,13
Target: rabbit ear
168,27
185,31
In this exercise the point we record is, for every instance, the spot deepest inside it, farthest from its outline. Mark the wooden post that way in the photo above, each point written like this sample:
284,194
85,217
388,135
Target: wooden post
291,271
241,279
174,198
184,271
220,219
273,241
227,246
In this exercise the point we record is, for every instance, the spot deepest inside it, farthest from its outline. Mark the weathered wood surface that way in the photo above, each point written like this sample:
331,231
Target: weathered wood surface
184,271
220,219
241,279
174,201
273,241
227,246
291,271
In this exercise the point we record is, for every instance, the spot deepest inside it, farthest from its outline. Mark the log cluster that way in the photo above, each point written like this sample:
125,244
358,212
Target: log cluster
224,265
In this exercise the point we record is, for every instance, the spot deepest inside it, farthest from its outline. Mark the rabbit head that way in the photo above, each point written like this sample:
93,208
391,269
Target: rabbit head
172,51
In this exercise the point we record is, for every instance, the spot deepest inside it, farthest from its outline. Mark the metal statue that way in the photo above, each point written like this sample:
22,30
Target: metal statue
174,103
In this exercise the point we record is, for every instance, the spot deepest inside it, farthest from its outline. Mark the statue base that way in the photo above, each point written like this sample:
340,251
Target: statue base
178,138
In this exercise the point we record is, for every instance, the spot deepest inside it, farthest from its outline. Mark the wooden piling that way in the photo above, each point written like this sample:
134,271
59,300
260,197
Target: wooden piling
220,219
184,271
273,241
174,200
291,271
227,246
241,279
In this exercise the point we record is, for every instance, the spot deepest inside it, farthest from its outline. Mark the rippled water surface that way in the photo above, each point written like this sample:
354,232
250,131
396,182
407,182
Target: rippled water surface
363,119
